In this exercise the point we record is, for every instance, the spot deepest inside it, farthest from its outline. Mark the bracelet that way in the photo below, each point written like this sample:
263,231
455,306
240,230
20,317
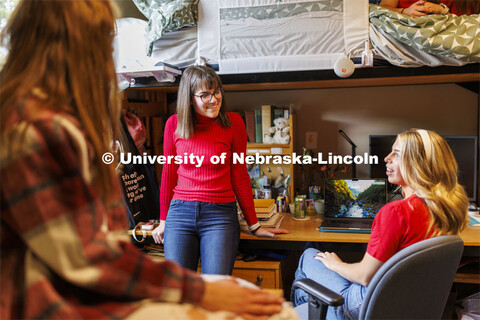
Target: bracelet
402,10
445,8
134,235
254,227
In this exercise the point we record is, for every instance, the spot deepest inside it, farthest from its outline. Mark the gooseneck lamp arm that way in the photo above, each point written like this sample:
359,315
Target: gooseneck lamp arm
354,147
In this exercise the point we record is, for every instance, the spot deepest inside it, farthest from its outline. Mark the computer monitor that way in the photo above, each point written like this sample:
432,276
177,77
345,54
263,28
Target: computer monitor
464,148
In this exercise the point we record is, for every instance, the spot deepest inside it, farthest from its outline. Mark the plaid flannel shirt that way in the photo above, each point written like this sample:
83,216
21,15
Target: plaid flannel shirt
60,257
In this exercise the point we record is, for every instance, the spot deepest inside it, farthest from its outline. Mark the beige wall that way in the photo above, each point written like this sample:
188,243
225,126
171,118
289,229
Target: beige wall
447,108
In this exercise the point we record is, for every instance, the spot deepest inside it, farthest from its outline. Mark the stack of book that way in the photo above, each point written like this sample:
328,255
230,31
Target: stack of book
267,215
474,218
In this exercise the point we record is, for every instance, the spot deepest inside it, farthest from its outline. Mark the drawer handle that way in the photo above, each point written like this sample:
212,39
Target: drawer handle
259,280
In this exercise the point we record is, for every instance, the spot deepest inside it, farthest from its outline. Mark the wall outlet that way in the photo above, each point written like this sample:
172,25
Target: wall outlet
311,140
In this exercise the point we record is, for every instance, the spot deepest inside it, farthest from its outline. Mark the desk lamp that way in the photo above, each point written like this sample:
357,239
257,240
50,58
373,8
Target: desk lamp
354,147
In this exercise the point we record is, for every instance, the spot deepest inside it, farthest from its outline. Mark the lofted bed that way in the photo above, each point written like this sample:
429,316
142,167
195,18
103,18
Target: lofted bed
296,43
467,76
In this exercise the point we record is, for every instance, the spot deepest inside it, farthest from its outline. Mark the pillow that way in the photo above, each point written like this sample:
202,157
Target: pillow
165,16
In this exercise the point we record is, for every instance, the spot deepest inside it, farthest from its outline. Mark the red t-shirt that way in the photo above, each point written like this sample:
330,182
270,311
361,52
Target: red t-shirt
215,183
448,3
397,225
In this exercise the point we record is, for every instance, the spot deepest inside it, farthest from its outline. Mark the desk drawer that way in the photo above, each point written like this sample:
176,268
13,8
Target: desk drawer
259,277
265,274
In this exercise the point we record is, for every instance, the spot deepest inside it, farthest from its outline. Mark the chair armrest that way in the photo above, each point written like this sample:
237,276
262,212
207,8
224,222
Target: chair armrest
318,291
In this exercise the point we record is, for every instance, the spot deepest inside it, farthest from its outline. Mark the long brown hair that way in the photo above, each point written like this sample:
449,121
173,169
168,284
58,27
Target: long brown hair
194,78
433,175
462,6
467,6
63,49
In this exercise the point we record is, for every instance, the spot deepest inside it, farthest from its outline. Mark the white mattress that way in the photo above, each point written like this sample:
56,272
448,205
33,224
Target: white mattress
246,36
178,48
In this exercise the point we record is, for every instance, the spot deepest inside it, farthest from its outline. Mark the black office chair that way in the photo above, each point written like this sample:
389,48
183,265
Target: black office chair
413,284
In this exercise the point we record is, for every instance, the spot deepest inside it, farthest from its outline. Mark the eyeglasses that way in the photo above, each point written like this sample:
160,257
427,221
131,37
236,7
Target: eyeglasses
206,97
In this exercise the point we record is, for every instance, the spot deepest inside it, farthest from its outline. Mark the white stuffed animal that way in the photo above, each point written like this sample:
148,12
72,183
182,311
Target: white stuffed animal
280,132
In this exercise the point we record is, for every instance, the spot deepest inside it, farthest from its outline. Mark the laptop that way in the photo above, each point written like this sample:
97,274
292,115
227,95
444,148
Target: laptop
351,204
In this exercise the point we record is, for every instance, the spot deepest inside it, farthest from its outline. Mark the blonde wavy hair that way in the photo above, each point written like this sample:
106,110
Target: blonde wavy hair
63,49
193,79
428,166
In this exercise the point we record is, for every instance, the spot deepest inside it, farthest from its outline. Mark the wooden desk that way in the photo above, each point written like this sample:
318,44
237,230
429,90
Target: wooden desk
304,231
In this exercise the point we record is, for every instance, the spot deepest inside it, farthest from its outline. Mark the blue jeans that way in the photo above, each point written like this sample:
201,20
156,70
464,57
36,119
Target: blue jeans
208,230
313,269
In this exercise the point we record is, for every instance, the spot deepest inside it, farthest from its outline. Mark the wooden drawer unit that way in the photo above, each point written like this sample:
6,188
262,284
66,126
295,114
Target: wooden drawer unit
265,274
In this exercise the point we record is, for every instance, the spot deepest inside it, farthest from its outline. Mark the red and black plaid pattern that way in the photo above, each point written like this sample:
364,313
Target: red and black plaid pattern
60,256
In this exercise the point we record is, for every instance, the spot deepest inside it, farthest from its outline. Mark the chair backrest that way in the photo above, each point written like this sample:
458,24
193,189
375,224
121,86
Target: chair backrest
415,282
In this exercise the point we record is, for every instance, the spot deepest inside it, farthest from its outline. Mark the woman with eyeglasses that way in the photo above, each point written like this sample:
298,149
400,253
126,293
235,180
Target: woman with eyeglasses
198,211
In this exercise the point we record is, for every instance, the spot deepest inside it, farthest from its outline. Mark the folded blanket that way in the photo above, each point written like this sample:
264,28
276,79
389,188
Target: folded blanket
165,16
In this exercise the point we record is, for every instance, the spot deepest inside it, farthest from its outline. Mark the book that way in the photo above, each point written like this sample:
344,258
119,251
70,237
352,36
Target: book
266,120
474,220
263,205
278,112
250,125
258,126
265,208
266,215
272,222
281,112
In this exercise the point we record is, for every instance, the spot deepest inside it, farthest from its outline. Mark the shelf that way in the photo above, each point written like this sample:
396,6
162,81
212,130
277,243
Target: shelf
269,149
264,149
318,79
467,278
263,145
469,272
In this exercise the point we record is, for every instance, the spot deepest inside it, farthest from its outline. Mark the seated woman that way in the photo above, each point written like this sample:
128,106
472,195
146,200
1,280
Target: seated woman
423,165
64,249
420,8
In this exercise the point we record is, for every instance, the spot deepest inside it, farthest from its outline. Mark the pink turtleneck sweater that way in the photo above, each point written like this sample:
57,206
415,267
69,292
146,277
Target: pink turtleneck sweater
217,183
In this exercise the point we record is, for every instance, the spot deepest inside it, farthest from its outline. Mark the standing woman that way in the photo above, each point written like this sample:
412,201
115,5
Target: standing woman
197,200
65,253
423,165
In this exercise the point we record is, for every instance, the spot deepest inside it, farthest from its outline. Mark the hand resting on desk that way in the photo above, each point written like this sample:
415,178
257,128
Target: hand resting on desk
158,232
270,232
